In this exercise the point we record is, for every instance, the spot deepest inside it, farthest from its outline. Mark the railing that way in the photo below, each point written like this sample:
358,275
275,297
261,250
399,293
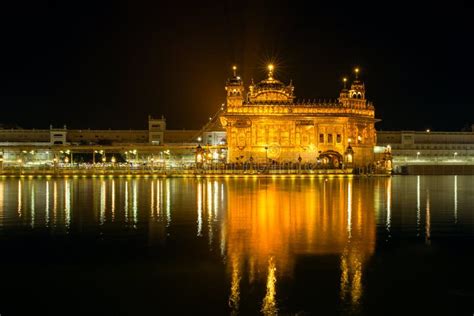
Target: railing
208,169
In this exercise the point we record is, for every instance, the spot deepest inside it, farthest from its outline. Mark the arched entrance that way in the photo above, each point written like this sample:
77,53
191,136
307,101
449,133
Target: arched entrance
331,159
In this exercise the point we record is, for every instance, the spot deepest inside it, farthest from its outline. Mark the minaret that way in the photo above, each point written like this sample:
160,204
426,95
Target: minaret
355,96
235,90
357,91
344,94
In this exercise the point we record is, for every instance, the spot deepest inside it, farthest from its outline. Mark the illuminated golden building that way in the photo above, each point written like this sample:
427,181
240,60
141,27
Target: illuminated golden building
267,123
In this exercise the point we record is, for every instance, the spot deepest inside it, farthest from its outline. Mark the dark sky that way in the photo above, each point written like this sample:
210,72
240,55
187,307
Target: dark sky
110,64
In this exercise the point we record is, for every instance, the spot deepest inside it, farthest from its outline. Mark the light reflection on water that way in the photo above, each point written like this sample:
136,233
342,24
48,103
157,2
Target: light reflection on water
262,228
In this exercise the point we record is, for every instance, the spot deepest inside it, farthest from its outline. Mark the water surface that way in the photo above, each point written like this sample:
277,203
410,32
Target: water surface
142,246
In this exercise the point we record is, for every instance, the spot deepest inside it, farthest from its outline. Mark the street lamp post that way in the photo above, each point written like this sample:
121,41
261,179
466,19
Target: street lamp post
417,155
299,163
200,157
1,162
454,155
103,161
70,158
55,163
20,162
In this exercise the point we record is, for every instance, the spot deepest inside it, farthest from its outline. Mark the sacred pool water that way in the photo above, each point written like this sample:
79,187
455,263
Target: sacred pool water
249,246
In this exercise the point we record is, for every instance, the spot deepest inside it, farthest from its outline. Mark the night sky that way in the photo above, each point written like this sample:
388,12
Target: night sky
92,64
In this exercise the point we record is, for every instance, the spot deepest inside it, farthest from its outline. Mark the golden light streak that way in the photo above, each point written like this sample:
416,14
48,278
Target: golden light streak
32,202
349,209
389,204
134,203
209,211
418,203
234,298
102,202
455,199
168,203
428,219
199,208
55,202
152,199
125,208
112,200
19,207
216,199
46,207
67,202
159,198
269,306
2,196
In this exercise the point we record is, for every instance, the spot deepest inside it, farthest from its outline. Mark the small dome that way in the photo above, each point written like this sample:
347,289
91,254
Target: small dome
271,90
270,84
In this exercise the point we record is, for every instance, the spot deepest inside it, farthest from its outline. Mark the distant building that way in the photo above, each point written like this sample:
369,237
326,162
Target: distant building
156,134
419,144
31,146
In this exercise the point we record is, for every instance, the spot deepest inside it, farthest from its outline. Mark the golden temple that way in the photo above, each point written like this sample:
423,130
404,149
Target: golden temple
267,124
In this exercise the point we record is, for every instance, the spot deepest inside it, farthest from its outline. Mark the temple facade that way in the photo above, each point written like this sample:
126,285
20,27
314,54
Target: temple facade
267,124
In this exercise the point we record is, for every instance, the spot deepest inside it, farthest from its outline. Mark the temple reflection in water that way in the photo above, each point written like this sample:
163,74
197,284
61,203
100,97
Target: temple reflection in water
270,224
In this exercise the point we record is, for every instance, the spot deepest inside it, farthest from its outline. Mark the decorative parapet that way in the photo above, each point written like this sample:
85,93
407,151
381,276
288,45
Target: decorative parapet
329,108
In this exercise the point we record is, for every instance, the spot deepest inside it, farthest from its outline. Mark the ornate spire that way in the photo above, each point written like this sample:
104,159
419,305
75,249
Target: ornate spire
270,71
356,70
234,69
344,80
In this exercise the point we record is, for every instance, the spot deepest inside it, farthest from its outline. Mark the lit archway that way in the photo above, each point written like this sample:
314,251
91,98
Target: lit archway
331,159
